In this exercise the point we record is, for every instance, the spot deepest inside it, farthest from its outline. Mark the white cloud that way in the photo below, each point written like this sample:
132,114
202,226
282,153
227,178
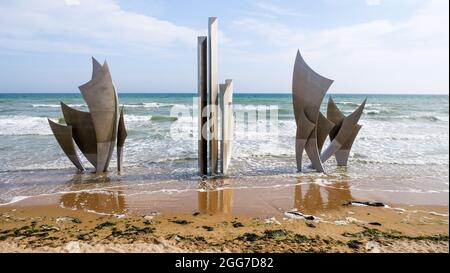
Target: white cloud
272,9
373,2
376,56
94,26
72,2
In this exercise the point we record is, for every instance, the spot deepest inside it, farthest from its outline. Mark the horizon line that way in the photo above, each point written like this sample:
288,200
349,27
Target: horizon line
246,92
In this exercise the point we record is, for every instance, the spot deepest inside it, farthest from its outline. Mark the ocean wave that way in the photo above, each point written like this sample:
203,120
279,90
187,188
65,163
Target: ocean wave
421,118
131,105
253,107
151,105
14,199
149,118
376,112
402,162
136,119
174,159
427,118
375,105
163,118
388,115
348,103
159,104
57,105
24,125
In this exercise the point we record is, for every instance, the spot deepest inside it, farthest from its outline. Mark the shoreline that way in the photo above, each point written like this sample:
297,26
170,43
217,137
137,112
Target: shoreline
107,223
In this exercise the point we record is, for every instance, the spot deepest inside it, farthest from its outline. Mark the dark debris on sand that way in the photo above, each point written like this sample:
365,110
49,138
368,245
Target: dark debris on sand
369,203
180,222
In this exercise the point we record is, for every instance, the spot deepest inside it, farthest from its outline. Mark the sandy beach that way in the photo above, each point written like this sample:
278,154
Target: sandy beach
319,219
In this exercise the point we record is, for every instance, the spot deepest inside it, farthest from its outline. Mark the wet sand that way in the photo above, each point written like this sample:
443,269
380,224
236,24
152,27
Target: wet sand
221,216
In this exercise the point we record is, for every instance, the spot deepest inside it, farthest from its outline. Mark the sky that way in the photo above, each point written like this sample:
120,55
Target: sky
365,46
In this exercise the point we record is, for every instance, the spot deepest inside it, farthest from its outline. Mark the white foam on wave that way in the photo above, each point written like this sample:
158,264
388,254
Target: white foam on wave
151,105
18,199
24,125
15,199
57,105
137,119
157,104
137,105
425,117
348,103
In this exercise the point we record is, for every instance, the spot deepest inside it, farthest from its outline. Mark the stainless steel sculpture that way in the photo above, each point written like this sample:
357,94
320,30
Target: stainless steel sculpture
213,94
308,90
226,107
209,121
63,135
343,133
324,127
101,99
83,131
121,136
95,132
202,104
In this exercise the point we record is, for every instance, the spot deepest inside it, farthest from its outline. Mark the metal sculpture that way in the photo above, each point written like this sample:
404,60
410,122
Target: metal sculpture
101,99
63,135
308,90
226,107
213,94
202,105
208,121
324,127
95,132
343,134
121,136
83,131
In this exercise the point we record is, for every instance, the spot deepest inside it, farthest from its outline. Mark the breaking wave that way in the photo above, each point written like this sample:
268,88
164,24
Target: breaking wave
24,125
163,118
149,105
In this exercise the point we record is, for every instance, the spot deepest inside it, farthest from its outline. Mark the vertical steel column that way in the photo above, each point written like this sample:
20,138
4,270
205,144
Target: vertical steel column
226,101
214,119
202,103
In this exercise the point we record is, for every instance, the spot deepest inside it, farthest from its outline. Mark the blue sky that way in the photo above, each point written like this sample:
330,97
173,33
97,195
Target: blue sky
366,46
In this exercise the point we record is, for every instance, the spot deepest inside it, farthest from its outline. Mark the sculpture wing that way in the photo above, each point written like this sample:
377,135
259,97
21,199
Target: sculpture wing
101,98
349,124
226,93
308,90
343,153
304,129
324,126
63,135
336,116
121,136
345,134
122,130
83,131
96,67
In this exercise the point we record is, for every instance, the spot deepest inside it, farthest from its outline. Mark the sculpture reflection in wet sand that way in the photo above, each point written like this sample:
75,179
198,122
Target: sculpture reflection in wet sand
95,132
209,131
308,91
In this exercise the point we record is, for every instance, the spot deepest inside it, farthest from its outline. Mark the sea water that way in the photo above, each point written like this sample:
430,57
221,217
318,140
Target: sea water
402,146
